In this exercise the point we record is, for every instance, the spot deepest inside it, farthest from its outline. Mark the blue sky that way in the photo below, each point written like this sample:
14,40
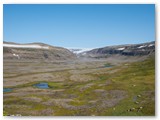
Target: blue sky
81,26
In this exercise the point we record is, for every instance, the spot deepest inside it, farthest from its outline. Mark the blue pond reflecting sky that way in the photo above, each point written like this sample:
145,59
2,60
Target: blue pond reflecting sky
7,89
42,85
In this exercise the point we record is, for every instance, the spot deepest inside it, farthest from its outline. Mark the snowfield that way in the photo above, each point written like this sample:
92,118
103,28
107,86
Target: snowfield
26,46
142,46
120,48
79,50
151,45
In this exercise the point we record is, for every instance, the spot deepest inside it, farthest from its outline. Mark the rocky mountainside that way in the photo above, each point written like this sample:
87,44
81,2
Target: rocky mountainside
35,51
143,49
41,51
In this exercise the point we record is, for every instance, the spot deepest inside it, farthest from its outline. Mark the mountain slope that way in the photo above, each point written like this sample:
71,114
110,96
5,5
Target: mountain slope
124,50
35,51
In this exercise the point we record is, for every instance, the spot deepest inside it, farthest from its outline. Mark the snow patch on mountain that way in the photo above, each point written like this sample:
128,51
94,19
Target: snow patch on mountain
150,45
121,48
79,50
142,46
25,46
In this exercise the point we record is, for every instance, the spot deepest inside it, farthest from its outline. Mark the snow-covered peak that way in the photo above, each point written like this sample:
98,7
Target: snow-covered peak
25,46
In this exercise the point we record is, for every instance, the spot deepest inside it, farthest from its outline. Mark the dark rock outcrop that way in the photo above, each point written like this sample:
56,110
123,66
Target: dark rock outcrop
125,50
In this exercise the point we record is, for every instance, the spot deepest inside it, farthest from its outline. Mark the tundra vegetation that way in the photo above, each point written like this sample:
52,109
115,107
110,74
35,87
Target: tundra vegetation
80,88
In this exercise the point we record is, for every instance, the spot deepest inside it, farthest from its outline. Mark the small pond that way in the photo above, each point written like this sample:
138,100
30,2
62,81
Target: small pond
7,89
134,98
106,66
42,85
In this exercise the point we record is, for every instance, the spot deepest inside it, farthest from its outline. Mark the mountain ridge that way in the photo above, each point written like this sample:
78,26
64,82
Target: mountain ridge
125,50
37,50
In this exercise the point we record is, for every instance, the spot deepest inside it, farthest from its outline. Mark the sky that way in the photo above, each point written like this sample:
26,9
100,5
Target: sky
79,26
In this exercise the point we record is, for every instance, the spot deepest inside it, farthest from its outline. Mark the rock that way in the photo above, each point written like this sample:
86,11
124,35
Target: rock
125,50
137,102
140,107
132,109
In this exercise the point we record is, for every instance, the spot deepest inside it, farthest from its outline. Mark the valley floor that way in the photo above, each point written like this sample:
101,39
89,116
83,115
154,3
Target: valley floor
80,88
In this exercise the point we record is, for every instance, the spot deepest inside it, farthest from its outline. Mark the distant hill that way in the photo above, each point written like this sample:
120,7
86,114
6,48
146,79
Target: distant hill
143,49
35,51
41,51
